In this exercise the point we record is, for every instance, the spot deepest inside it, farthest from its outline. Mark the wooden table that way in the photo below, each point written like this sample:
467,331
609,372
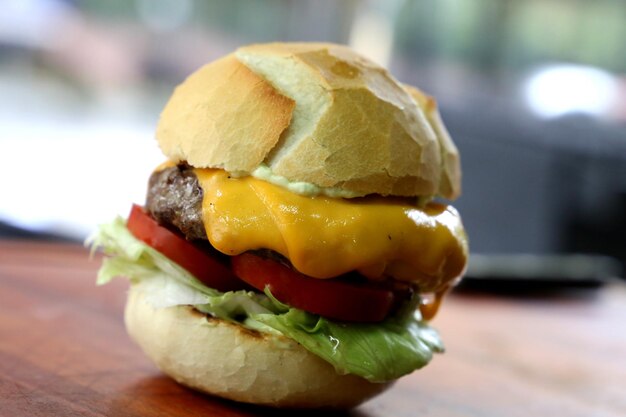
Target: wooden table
64,352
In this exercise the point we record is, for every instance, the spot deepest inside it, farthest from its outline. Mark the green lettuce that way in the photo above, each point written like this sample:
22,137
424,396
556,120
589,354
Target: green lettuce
377,352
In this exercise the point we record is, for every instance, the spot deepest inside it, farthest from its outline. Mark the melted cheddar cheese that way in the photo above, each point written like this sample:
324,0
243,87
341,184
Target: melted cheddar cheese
325,237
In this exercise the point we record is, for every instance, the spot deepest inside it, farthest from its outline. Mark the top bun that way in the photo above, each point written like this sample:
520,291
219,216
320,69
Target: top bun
318,113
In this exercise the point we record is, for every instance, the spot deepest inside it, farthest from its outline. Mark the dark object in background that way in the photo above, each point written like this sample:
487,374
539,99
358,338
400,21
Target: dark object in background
600,234
540,187
8,231
534,274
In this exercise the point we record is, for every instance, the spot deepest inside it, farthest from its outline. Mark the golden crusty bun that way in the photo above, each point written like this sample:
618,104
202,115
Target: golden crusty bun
317,113
229,361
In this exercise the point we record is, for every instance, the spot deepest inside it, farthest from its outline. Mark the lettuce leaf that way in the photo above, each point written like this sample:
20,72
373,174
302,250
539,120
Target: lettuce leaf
164,282
377,352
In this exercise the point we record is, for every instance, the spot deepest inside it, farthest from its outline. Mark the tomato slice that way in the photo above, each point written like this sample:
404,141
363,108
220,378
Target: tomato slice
199,262
338,300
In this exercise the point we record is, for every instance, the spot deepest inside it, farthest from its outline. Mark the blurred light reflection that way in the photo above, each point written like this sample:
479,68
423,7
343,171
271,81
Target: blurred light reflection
561,89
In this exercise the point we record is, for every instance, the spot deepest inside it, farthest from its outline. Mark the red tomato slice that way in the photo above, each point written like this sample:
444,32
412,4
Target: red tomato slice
200,263
338,300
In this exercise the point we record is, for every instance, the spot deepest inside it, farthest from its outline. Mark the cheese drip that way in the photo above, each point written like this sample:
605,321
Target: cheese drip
325,237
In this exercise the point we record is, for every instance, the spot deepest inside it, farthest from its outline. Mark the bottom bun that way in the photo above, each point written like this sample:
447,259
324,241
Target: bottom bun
227,360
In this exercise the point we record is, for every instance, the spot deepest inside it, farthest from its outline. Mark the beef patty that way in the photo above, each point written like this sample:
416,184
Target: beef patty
175,199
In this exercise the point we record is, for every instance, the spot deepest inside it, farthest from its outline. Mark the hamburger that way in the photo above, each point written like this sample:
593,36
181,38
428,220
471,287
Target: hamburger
294,246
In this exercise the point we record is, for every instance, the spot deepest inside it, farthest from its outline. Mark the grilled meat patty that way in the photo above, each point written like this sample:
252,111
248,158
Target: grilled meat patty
175,199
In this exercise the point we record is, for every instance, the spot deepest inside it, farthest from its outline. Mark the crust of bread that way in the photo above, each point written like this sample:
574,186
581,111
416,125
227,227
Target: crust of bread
450,184
229,361
350,124
223,116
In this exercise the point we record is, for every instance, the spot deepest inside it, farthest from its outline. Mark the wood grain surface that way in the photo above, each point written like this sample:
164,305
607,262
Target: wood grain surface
64,352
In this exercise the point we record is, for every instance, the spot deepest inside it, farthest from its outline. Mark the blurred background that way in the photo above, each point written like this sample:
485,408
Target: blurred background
532,91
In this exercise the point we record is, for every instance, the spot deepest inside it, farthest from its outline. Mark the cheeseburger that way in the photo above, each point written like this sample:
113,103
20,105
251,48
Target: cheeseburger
293,247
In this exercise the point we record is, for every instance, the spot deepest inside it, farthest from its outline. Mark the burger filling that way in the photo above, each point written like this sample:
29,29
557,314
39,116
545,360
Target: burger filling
342,278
